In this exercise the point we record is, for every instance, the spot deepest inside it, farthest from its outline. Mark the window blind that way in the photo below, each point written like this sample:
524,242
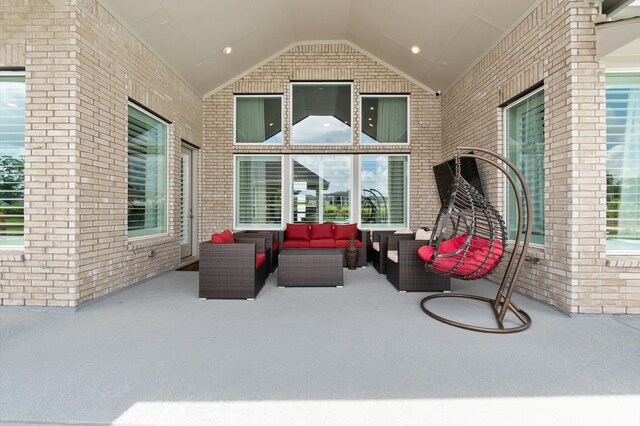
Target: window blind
258,191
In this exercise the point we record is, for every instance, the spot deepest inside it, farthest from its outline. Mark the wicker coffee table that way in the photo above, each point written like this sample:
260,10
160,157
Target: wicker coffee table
310,268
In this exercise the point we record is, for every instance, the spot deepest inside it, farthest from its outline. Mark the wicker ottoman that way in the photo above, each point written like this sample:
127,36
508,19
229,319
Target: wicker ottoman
310,268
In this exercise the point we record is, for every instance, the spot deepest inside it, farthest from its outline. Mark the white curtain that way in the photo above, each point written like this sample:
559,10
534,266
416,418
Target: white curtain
392,120
629,216
250,120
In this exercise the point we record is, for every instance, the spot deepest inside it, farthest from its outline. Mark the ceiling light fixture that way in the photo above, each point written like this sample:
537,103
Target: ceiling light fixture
227,50
415,50
326,124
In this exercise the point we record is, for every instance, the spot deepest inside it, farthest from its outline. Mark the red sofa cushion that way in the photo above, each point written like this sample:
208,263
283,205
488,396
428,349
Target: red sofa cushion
323,243
343,232
322,232
473,264
260,257
297,231
296,244
227,236
345,243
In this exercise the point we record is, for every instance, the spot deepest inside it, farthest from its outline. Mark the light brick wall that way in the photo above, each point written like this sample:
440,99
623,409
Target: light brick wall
318,62
555,44
81,67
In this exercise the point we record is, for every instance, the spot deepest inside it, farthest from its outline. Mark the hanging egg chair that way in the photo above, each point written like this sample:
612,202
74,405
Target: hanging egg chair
469,241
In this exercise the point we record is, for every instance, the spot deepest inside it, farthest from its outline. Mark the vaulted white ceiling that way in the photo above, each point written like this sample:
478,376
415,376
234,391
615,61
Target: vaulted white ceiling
189,35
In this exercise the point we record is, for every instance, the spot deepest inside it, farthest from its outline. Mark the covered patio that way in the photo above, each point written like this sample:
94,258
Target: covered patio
362,354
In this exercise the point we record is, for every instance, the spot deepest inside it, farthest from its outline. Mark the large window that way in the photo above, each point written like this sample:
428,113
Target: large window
383,184
258,197
321,188
384,119
12,125
525,148
147,213
258,119
623,162
321,114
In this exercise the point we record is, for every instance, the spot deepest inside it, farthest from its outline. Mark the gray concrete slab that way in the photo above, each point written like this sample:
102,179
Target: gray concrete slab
362,354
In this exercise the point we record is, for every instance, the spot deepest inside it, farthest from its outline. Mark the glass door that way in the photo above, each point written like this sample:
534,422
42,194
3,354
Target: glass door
187,206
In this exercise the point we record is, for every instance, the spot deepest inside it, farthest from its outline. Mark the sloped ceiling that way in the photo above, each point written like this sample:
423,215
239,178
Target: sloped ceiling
190,35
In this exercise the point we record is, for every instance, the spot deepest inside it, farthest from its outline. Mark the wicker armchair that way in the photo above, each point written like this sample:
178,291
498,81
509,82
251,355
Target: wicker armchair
379,248
272,247
408,273
229,271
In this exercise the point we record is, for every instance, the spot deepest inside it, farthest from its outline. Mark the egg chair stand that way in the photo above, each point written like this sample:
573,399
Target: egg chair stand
468,218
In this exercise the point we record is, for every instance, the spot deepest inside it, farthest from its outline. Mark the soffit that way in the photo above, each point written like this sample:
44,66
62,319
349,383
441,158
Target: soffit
189,35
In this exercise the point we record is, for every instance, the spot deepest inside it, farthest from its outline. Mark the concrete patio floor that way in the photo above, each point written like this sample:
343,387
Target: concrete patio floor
362,354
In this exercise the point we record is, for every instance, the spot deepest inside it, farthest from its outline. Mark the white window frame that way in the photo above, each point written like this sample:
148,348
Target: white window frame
168,194
506,185
389,226
320,83
262,96
18,74
386,95
289,184
282,194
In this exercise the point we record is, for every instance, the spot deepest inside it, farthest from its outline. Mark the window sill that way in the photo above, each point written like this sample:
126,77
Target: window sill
11,255
150,242
624,261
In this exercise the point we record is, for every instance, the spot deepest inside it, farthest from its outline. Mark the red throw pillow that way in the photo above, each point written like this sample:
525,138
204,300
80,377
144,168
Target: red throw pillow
322,232
343,232
217,239
297,231
227,236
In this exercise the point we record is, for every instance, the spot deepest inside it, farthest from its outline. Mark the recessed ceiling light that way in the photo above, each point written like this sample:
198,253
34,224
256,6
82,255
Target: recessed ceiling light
415,49
227,50
326,124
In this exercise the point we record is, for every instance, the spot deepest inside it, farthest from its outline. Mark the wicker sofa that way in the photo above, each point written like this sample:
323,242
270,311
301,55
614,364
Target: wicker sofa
405,270
231,269
325,235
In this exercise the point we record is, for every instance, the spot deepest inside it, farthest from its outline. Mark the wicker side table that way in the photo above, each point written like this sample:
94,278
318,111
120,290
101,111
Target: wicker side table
310,268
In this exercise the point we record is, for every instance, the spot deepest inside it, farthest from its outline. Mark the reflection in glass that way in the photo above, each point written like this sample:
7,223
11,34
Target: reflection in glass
321,114
383,179
259,119
525,148
321,188
12,127
623,158
384,119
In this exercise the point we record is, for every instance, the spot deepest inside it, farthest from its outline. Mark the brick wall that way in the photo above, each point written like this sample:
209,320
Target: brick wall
318,62
81,67
554,44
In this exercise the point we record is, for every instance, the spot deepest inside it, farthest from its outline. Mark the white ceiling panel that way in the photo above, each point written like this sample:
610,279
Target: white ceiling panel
190,32
320,20
502,13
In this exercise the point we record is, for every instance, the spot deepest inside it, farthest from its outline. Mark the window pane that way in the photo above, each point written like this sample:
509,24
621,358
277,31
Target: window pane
383,179
623,157
321,114
384,119
326,178
147,214
12,119
258,119
258,191
525,148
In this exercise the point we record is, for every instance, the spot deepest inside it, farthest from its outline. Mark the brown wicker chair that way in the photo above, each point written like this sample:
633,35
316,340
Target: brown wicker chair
228,271
272,247
380,255
408,273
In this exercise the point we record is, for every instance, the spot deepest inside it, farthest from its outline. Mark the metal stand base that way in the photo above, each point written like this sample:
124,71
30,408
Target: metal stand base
500,329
